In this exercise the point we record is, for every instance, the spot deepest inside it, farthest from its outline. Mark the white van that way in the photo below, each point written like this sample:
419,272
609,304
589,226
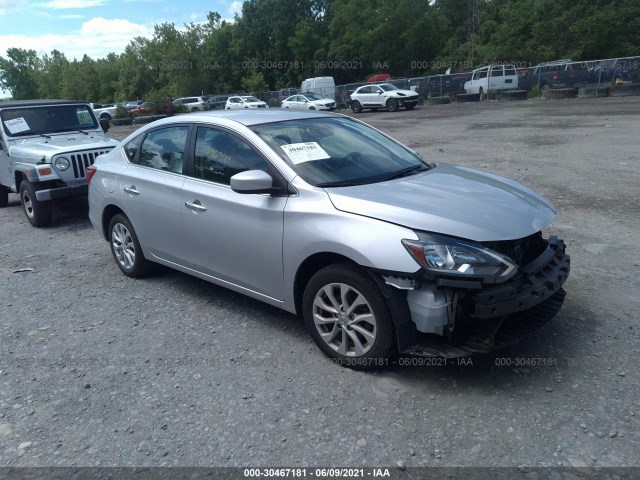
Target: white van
492,77
324,86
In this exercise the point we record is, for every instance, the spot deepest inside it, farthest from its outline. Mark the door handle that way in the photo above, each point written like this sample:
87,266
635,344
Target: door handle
132,190
195,206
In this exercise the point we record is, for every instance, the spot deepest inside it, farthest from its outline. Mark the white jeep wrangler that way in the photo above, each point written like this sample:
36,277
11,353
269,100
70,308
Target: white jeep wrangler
45,148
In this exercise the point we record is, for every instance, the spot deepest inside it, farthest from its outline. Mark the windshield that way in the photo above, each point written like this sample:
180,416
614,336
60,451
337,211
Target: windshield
387,87
334,152
250,99
25,121
313,96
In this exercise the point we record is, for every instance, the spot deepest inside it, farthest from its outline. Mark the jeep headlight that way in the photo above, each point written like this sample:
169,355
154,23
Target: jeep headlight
61,163
441,255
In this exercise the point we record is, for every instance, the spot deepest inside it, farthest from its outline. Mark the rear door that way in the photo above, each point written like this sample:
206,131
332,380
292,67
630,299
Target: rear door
151,189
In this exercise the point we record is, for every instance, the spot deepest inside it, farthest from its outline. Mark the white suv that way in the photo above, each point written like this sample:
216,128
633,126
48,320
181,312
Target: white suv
193,104
245,101
383,95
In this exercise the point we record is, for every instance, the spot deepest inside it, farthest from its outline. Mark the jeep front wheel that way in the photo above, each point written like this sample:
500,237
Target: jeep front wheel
38,213
392,105
356,107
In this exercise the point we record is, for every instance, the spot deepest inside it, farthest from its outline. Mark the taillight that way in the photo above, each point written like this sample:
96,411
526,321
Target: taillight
555,76
90,171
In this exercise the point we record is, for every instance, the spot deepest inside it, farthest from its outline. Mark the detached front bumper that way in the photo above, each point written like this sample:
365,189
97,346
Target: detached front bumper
486,317
535,282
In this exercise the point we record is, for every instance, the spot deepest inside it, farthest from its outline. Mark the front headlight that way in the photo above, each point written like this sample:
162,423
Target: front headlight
442,255
61,163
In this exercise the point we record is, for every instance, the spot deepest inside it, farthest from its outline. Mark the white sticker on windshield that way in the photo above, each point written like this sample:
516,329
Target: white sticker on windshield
17,125
304,152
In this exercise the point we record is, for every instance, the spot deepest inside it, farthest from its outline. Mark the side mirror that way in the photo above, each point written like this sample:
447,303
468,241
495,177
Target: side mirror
252,181
104,124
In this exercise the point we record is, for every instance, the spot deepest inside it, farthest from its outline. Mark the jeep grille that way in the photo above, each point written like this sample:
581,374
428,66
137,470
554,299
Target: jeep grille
80,161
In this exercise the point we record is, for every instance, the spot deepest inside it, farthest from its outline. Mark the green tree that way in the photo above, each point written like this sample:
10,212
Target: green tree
19,73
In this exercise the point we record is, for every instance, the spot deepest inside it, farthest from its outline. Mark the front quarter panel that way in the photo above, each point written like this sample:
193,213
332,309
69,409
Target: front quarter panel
312,226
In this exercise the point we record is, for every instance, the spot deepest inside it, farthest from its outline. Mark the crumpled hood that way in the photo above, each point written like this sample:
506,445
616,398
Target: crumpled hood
456,201
39,147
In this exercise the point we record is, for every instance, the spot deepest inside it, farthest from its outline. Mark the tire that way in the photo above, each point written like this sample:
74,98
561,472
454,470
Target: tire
481,93
467,97
560,93
312,108
105,116
356,106
195,109
443,100
125,247
4,197
38,213
392,105
513,95
362,339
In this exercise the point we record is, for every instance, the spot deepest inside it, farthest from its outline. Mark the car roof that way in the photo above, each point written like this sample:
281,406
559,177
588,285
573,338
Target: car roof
246,117
35,103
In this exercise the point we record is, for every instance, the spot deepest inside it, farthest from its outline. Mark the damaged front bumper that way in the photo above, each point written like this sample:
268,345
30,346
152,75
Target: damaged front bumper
458,318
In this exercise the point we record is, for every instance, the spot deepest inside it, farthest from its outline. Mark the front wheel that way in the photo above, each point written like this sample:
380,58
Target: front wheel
347,317
356,106
125,247
392,105
38,213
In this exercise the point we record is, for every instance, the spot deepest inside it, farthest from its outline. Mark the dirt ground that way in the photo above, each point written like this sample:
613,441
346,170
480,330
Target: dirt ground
102,370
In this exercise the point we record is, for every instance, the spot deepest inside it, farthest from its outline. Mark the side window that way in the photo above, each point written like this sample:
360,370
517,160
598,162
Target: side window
510,70
131,148
164,149
220,155
497,71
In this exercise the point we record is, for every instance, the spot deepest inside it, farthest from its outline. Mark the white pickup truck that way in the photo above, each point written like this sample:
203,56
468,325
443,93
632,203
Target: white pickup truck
107,111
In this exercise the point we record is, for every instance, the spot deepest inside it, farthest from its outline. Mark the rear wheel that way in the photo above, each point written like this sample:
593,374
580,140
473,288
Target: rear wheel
481,93
356,106
347,317
125,247
392,105
38,213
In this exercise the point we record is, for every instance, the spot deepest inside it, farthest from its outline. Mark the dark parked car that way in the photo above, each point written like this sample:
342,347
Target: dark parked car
557,74
616,70
218,102
440,85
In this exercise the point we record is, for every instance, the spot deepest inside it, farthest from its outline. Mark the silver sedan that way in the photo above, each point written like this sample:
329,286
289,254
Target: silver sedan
324,216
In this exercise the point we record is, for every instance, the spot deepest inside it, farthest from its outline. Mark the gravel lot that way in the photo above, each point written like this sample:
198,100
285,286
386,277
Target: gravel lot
102,370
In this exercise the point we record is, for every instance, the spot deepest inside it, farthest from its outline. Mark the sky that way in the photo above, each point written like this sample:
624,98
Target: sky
95,27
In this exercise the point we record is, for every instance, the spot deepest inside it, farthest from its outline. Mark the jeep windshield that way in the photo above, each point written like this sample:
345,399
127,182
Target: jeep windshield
387,87
47,119
339,152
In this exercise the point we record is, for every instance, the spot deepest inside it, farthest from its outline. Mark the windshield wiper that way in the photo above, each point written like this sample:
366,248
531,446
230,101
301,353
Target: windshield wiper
340,183
406,171
82,131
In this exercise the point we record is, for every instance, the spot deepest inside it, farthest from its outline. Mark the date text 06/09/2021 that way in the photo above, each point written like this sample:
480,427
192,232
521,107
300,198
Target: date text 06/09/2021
325,473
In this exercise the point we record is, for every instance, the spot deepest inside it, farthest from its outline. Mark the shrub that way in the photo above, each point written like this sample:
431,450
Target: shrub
121,112
534,92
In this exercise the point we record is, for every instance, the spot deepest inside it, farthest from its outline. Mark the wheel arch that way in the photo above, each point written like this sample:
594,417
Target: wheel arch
308,269
107,214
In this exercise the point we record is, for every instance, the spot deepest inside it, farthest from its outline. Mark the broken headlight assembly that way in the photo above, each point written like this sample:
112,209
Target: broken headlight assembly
442,255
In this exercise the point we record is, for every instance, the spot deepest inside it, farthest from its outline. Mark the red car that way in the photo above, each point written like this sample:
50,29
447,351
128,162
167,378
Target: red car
147,108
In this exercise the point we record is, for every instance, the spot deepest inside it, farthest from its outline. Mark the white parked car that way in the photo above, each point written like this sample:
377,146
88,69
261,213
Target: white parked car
107,111
309,101
492,77
383,95
193,104
246,101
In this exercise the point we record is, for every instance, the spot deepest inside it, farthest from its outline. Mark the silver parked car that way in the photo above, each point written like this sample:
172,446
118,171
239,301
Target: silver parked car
324,216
